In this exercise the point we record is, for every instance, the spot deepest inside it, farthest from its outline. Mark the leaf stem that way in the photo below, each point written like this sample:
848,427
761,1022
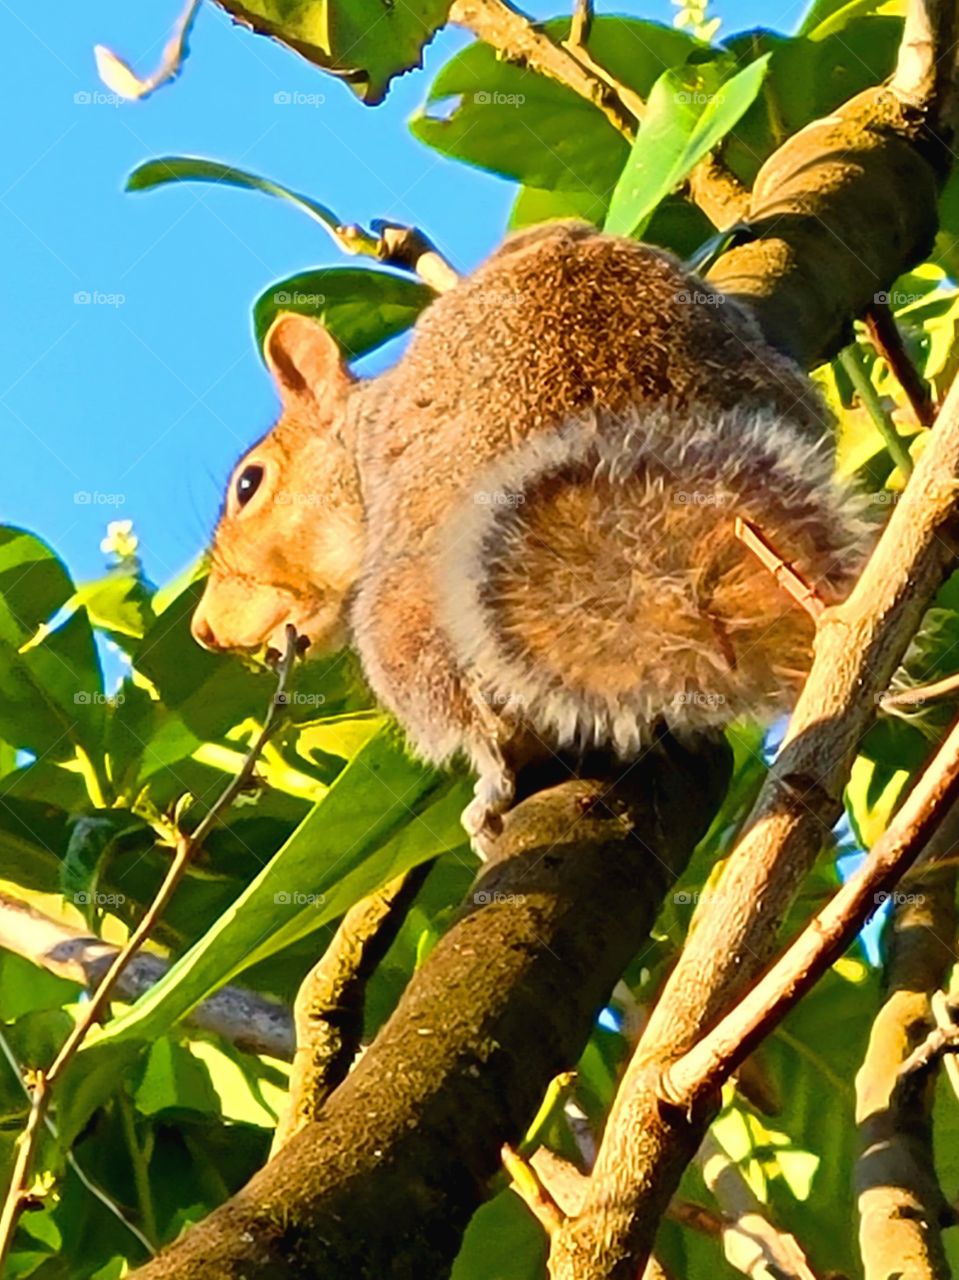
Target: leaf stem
851,360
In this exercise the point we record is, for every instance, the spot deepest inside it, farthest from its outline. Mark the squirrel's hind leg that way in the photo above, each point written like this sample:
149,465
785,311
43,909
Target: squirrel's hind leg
407,660
496,781
492,797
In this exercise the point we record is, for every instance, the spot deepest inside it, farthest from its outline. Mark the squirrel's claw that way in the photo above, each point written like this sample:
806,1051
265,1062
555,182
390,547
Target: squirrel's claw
493,796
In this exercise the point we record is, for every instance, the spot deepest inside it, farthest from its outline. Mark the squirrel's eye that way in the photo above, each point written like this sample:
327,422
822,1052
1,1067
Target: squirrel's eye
247,483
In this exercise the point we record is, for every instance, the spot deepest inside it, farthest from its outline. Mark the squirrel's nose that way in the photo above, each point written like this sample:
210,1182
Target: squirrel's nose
203,633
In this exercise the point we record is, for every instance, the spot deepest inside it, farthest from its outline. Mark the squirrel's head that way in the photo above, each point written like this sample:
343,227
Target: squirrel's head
288,544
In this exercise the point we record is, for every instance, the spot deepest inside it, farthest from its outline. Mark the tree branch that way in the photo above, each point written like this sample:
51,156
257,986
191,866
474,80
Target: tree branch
510,32
751,1243
247,1020
386,1178
901,1206
329,1003
703,1069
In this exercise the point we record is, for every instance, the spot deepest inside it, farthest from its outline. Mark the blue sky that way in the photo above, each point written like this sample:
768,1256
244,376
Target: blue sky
145,396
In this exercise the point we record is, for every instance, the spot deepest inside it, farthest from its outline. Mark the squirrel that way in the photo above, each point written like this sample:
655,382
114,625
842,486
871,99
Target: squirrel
526,526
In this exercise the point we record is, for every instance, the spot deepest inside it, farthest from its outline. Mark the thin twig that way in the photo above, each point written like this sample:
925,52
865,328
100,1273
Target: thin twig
851,360
939,1041
886,338
700,1071
95,1190
93,1011
921,694
751,1242
942,1012
805,595
581,24
408,247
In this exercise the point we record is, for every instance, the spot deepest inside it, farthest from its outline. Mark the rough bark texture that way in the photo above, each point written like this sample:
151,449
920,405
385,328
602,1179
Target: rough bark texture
901,1206
816,262
384,1182
331,1000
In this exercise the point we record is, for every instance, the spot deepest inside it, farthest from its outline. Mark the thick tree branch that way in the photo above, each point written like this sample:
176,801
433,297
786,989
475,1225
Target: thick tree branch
251,1022
385,1180
815,263
925,69
901,1206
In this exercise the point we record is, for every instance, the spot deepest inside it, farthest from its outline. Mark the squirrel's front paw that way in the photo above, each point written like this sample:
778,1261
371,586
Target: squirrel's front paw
493,796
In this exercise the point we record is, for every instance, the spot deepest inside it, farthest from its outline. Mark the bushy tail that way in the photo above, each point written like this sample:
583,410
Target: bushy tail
595,584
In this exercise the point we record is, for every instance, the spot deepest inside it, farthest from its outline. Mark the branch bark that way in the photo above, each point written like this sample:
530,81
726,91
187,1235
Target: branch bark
329,1003
386,1178
901,1206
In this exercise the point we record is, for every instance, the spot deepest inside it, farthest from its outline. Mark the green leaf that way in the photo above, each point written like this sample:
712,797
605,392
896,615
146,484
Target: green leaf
118,603
362,309
172,1079
364,42
827,17
167,169
492,113
94,839
51,688
503,1240
384,814
681,127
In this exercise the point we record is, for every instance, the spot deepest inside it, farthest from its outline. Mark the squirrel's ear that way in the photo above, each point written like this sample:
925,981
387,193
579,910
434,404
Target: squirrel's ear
303,358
